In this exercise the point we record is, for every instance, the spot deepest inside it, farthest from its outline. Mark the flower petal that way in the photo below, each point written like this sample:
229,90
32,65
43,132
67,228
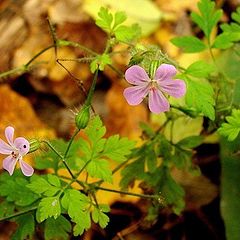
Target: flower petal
9,132
9,164
135,95
157,102
165,72
22,145
175,88
5,148
26,168
136,75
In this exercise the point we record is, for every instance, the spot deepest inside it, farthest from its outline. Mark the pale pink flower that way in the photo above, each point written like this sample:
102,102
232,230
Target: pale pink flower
156,88
16,149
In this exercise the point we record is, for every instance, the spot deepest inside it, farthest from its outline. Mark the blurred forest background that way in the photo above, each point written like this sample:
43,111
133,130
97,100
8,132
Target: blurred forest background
40,103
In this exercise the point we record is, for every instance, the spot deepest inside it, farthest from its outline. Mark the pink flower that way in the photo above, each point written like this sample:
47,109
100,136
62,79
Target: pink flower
16,150
155,88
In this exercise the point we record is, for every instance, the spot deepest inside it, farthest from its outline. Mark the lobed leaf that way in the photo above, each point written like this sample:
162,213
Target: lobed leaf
189,44
231,128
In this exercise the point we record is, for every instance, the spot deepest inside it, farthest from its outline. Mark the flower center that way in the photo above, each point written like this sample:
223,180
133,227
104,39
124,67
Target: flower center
15,154
153,84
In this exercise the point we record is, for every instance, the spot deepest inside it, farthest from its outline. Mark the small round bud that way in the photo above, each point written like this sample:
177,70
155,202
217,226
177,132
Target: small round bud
82,117
34,145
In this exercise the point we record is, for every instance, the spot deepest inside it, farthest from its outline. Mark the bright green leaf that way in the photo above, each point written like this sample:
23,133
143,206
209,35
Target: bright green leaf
200,69
189,44
231,129
117,148
127,33
208,17
119,18
200,96
49,207
100,168
105,19
99,217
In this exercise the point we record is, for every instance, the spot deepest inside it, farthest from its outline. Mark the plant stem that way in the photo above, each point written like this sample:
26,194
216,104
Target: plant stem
128,193
18,213
37,55
60,155
25,66
70,143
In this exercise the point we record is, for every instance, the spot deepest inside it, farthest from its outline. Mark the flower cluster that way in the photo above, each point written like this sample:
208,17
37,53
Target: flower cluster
156,88
16,149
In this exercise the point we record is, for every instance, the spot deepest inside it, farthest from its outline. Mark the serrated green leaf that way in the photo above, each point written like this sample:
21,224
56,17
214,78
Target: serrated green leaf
75,197
54,180
100,62
15,190
49,207
95,130
119,18
59,228
83,222
76,205
100,168
117,148
99,217
226,40
6,208
41,186
208,17
200,96
200,69
105,19
26,227
231,129
190,142
127,33
236,15
189,44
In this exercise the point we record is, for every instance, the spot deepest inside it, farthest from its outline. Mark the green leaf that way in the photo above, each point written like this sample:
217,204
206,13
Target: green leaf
208,17
54,180
59,228
231,129
100,62
105,19
128,177
100,168
26,227
95,130
230,187
41,186
99,217
200,96
48,207
190,142
117,148
77,205
226,40
6,208
15,190
119,18
189,44
200,69
127,33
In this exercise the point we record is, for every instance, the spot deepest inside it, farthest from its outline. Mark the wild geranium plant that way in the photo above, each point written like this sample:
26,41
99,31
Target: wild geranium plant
59,205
